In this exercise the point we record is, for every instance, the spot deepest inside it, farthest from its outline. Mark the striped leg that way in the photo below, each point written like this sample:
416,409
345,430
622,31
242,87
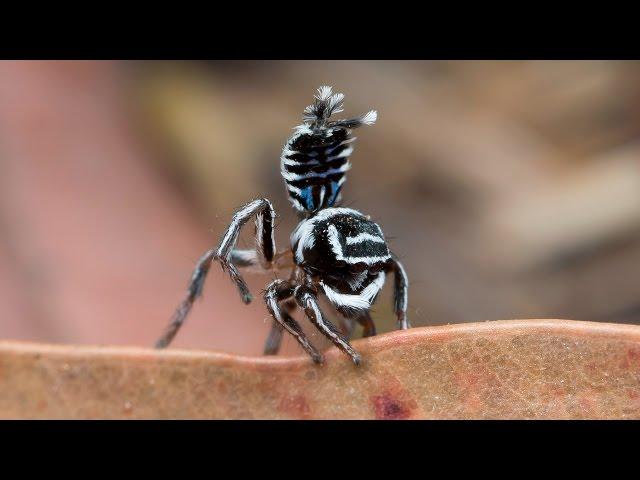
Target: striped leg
276,292
194,291
272,344
265,243
230,260
309,302
400,293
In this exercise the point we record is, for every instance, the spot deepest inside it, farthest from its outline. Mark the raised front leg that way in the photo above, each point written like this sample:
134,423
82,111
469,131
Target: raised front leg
400,293
277,292
230,259
265,243
309,302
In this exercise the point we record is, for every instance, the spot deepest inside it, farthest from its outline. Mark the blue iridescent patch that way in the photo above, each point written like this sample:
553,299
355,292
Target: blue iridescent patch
335,189
307,196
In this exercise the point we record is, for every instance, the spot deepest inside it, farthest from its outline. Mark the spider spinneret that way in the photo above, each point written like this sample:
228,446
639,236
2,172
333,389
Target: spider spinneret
337,251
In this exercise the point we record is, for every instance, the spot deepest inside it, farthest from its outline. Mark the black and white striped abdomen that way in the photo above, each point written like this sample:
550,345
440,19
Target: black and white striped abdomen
314,164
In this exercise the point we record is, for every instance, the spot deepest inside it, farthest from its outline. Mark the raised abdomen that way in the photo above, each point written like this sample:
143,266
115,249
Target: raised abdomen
314,167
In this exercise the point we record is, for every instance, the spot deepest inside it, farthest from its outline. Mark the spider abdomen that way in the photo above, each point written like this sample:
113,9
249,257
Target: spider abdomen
313,164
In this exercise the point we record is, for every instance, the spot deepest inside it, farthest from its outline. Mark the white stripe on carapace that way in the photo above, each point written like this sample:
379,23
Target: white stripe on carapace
305,238
303,234
334,240
332,212
362,237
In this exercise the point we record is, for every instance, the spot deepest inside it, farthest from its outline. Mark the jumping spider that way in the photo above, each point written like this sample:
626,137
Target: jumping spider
336,251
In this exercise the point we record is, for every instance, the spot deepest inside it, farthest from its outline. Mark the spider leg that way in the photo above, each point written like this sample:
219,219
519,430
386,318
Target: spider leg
400,293
347,326
244,258
276,292
194,291
265,243
272,344
347,323
309,302
230,259
369,328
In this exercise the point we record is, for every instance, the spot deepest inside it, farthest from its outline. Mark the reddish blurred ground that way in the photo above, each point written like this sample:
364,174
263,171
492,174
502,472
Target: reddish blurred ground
95,245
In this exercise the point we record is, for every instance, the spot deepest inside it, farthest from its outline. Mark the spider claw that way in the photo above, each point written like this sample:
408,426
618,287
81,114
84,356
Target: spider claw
246,297
355,357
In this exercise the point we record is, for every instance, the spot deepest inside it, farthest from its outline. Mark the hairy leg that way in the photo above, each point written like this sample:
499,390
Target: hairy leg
193,291
309,302
280,290
400,293
369,328
230,259
265,243
347,325
272,344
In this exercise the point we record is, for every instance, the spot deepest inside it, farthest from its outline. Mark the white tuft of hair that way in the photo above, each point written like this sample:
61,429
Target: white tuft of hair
334,104
369,118
324,92
309,114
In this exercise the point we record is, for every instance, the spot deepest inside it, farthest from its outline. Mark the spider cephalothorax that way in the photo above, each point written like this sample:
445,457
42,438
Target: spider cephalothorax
337,252
346,254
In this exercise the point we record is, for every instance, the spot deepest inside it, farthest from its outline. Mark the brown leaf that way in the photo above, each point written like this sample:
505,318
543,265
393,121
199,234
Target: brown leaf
502,369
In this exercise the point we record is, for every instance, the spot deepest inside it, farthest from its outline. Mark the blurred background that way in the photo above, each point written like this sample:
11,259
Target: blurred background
509,190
